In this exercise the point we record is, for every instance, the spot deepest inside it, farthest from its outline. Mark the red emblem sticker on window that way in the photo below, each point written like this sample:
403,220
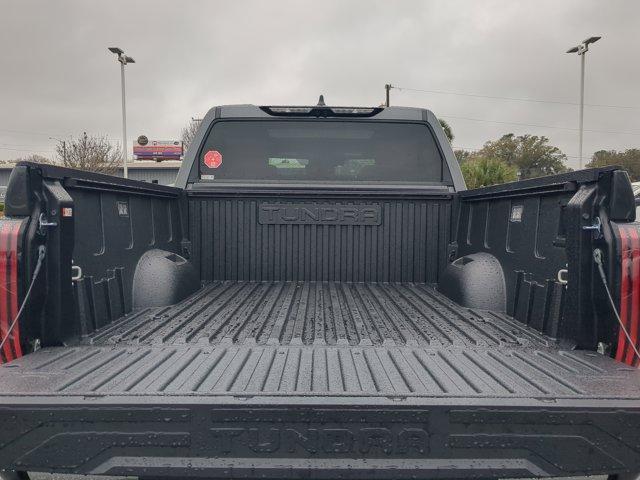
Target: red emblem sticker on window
213,159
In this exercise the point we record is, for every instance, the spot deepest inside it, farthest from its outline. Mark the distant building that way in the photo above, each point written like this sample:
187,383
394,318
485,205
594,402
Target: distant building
163,173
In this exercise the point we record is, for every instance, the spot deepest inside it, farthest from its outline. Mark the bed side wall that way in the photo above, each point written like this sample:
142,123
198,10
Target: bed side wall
525,233
543,232
96,229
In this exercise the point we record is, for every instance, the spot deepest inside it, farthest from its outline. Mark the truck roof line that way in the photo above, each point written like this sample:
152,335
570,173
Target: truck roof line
269,111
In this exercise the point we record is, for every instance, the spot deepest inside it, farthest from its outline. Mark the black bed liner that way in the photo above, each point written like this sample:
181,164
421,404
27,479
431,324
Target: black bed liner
318,313
287,379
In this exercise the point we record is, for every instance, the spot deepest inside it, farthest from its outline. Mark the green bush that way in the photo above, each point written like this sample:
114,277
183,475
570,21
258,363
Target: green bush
482,172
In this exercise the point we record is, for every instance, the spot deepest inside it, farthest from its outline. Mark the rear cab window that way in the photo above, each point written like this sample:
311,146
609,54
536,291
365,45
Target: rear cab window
322,151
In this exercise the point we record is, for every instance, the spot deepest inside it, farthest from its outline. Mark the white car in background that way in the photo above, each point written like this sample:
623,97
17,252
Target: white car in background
636,193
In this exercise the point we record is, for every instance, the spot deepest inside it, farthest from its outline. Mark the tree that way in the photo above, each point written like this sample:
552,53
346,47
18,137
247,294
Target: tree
531,155
628,159
483,171
189,132
34,158
447,129
91,153
462,155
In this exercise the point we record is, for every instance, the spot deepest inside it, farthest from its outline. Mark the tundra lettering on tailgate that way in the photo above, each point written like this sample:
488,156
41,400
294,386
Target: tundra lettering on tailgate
318,214
365,441
321,433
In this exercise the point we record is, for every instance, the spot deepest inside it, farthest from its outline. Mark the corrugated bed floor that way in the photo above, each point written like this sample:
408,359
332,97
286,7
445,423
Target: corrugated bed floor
310,313
319,339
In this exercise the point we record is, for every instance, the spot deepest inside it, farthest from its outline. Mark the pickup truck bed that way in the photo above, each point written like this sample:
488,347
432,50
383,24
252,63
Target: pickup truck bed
287,376
318,338
328,301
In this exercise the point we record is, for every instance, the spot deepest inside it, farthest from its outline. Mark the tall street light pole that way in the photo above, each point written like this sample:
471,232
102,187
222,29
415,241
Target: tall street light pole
123,59
582,50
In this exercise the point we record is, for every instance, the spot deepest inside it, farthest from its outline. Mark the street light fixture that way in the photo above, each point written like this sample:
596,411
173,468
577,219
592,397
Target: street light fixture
124,60
582,50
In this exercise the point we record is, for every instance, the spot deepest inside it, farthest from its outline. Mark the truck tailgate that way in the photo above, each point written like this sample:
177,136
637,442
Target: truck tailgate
324,379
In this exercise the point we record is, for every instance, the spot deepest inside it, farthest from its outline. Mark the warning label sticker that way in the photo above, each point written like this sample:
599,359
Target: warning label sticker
213,159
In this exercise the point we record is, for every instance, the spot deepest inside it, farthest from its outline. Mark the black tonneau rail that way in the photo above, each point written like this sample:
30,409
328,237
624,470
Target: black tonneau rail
97,181
566,182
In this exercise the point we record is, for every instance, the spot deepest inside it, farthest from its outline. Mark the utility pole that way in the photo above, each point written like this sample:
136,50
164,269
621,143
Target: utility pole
582,50
124,60
387,89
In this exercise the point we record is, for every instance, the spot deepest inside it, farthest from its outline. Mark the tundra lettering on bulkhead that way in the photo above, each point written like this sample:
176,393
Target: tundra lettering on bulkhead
310,214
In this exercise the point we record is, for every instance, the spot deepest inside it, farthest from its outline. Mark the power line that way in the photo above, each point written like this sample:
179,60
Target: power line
26,132
21,145
483,120
516,99
27,150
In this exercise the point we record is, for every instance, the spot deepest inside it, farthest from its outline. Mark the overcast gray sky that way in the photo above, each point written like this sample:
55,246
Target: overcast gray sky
58,79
